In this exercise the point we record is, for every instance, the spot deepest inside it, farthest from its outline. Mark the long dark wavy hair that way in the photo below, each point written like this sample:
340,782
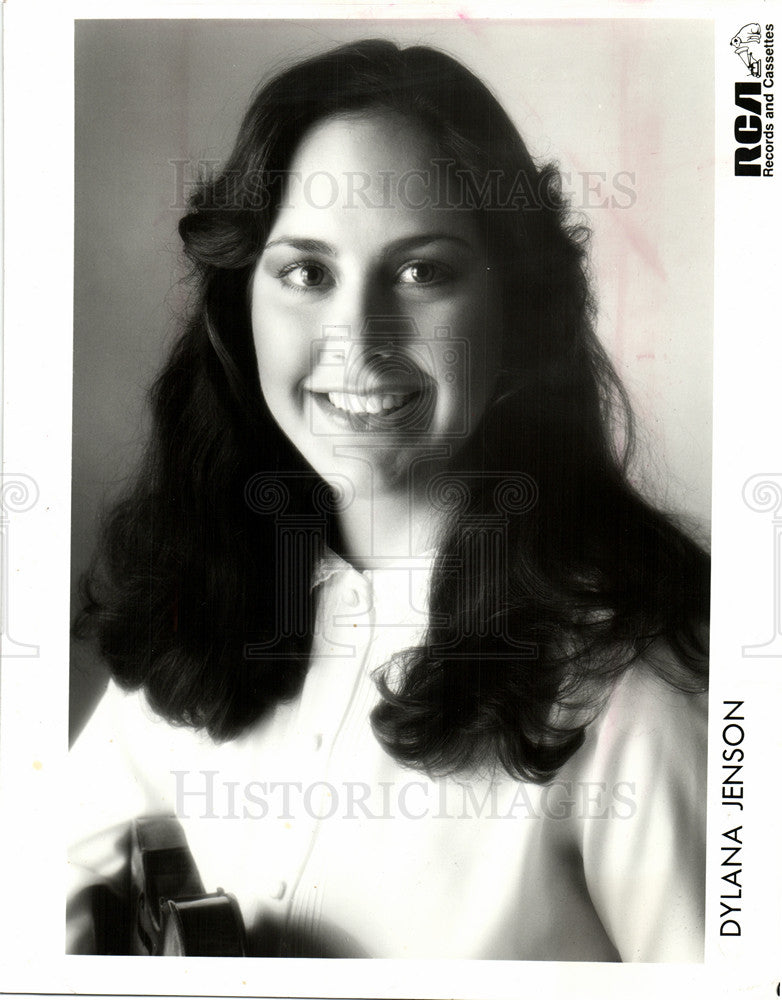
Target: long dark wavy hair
199,591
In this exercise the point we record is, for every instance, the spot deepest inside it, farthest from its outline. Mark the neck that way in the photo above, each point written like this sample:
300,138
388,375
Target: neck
378,528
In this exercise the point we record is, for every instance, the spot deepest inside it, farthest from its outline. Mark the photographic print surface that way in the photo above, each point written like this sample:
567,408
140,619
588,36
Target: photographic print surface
390,446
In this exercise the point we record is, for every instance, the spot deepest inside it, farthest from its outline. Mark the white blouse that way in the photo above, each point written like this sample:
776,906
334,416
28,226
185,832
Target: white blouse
334,850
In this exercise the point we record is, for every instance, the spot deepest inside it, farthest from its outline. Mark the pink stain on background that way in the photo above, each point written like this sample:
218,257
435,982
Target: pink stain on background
468,19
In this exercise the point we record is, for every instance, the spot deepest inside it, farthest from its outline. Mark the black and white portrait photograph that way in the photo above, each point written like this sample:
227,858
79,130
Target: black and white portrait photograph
394,633
394,609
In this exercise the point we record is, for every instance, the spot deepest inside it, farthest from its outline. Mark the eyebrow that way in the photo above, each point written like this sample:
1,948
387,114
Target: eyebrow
304,244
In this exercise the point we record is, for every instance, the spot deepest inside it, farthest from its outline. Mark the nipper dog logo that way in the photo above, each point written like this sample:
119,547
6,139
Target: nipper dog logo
747,45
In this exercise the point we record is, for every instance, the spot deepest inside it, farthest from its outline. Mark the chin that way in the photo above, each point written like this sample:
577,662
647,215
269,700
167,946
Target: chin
374,472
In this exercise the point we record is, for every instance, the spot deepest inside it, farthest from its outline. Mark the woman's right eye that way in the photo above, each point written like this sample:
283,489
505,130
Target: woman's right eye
304,275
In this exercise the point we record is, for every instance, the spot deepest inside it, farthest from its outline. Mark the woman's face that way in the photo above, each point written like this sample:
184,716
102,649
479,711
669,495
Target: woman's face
374,308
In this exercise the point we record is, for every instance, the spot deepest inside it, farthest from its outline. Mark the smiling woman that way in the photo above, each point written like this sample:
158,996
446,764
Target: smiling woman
324,272
383,555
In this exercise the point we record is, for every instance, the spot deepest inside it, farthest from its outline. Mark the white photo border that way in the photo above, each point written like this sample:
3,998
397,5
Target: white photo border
746,532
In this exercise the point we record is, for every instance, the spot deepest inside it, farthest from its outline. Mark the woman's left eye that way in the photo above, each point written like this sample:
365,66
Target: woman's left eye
423,272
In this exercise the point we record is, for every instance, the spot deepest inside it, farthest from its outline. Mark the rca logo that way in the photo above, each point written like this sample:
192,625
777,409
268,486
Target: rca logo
748,130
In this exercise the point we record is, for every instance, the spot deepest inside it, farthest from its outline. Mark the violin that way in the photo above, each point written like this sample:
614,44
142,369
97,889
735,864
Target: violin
172,913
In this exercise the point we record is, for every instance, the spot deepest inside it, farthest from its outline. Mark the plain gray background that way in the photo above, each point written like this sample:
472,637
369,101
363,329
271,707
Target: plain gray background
612,101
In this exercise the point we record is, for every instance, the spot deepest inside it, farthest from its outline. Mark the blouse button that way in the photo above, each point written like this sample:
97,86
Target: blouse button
351,598
277,889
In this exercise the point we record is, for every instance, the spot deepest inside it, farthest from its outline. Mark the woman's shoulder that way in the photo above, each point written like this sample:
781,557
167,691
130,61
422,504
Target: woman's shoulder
124,729
647,697
643,761
119,709
647,724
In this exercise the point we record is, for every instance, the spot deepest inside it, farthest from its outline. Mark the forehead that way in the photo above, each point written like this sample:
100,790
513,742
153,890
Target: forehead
378,140
370,171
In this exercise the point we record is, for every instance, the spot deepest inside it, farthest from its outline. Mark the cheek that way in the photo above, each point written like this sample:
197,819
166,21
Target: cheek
281,347
474,356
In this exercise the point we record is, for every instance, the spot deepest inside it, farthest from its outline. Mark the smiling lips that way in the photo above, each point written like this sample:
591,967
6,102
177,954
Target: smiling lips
376,402
367,410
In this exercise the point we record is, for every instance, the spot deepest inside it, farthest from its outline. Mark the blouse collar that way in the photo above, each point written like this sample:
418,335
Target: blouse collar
330,564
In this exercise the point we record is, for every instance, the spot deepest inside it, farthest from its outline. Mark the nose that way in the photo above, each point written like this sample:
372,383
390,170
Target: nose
362,297
367,315
383,336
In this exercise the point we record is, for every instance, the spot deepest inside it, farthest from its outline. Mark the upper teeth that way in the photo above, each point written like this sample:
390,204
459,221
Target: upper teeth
367,404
